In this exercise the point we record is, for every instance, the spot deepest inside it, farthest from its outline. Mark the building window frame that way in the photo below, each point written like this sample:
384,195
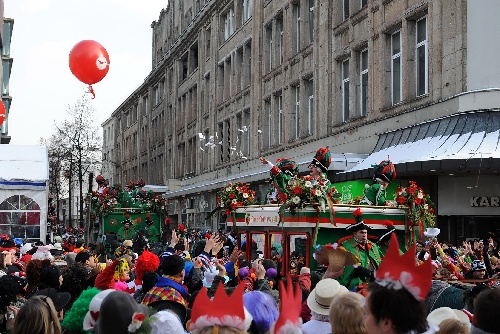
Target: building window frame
363,82
345,90
297,111
421,57
396,68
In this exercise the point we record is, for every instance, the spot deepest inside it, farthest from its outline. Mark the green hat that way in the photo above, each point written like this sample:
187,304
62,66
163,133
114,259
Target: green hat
287,166
384,171
322,159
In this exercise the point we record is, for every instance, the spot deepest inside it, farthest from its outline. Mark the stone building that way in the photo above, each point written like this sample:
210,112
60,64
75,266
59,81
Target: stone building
233,80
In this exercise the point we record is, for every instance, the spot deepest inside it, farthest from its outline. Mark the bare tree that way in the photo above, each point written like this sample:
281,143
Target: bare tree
77,149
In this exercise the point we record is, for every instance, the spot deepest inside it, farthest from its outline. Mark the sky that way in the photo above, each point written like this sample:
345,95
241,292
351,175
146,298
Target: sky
41,84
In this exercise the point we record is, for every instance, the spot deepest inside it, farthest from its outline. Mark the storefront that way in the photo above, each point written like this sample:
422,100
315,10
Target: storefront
469,206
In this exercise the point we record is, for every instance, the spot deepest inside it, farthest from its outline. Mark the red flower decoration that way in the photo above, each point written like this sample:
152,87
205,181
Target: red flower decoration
181,228
139,220
167,220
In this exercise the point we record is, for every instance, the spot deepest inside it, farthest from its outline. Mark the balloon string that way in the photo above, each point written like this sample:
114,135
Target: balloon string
91,91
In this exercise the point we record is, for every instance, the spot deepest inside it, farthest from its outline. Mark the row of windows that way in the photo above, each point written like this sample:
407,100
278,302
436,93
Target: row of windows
398,64
232,15
300,118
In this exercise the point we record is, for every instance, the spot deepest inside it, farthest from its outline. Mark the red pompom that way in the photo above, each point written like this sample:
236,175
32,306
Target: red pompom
167,220
357,212
181,228
139,220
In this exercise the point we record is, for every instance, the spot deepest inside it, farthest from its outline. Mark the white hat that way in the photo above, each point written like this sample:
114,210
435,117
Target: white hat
321,296
166,322
94,307
57,246
25,248
432,232
209,275
443,313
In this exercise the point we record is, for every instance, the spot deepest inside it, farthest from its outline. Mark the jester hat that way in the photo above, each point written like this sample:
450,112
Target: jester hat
322,159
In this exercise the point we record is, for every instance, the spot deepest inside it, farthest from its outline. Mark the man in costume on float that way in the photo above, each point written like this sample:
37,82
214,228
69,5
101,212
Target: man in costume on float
366,252
280,174
127,231
317,168
375,193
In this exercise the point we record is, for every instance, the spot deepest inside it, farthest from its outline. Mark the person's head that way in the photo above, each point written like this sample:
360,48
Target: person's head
390,310
419,247
173,265
453,326
122,271
71,240
70,258
117,313
478,269
321,297
320,163
8,291
263,309
361,235
179,248
38,315
51,277
347,313
126,224
487,309
470,296
85,258
314,171
59,299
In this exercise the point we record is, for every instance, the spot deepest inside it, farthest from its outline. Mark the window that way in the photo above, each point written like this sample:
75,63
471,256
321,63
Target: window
311,21
228,23
208,38
363,3
220,82
193,57
363,81
310,105
184,67
421,57
228,82
21,215
221,147
247,10
227,139
270,123
296,96
345,90
296,8
278,125
279,29
345,9
269,46
396,71
246,135
248,63
239,69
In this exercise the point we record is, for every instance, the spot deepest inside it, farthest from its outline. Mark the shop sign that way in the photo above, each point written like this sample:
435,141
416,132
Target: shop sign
484,201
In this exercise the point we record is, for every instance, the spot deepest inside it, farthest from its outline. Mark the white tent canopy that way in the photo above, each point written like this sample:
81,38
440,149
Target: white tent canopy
24,189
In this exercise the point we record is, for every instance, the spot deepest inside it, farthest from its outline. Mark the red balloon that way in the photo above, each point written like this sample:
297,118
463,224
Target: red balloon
89,61
3,112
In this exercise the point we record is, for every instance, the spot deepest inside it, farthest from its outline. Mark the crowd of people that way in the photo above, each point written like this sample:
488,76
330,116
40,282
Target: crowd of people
202,282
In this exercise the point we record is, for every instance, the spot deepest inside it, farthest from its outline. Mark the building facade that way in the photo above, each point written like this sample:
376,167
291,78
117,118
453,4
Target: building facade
6,37
233,80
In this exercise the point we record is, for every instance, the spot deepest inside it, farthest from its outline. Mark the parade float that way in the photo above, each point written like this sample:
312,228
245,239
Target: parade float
291,231
112,206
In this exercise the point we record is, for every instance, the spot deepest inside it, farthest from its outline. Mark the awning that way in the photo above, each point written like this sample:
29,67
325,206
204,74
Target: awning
340,162
462,141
